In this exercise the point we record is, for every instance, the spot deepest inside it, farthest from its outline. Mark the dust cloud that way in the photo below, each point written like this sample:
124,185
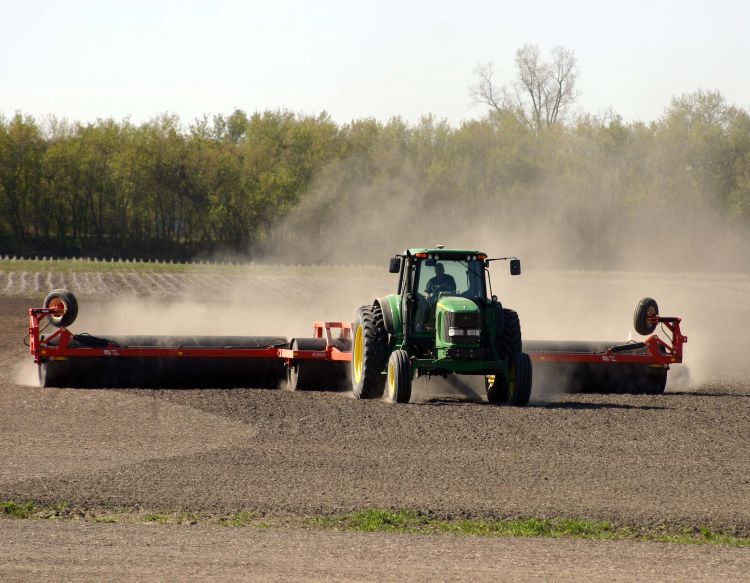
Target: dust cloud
552,228
274,303
588,259
25,373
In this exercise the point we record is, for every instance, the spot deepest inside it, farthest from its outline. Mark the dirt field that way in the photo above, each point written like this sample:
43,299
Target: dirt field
679,459
44,551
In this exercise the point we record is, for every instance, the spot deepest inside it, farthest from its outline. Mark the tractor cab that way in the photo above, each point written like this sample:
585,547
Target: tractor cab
435,281
454,281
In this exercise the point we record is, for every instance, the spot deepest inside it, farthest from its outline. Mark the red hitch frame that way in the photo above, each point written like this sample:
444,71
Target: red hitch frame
331,352
658,352
42,350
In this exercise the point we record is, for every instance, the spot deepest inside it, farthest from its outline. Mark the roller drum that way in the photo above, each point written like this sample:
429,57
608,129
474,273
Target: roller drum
604,378
318,375
187,372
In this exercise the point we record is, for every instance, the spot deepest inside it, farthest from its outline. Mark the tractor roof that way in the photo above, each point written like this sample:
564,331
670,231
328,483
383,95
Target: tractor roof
444,252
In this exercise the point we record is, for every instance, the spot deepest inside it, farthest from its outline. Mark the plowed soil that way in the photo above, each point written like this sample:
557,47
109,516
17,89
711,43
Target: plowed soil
680,459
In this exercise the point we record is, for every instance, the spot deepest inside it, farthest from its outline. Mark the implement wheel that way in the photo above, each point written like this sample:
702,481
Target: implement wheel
65,307
399,377
647,308
316,375
52,373
656,381
519,385
369,353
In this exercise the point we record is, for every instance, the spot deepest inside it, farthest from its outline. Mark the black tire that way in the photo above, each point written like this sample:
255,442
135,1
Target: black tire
519,387
399,377
52,373
68,305
656,381
497,388
509,342
369,353
645,309
316,375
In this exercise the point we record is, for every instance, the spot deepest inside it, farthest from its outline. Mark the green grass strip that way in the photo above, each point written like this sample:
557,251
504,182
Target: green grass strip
378,520
14,510
391,521
30,510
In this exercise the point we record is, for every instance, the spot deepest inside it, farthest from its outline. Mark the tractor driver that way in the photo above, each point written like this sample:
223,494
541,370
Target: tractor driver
425,320
440,283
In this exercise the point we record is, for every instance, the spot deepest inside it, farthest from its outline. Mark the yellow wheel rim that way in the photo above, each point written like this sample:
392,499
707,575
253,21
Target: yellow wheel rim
359,354
392,380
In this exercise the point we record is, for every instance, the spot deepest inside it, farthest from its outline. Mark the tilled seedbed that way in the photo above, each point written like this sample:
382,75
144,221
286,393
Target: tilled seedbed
678,459
201,283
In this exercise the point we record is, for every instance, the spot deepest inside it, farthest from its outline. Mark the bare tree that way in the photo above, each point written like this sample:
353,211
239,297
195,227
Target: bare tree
542,92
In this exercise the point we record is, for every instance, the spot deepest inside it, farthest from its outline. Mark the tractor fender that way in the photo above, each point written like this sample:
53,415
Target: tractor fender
391,308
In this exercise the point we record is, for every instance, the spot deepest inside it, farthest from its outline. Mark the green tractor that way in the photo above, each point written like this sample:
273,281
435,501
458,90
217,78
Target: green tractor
444,319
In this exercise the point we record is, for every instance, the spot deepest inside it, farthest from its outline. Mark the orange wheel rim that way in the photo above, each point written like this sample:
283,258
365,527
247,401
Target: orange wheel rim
57,306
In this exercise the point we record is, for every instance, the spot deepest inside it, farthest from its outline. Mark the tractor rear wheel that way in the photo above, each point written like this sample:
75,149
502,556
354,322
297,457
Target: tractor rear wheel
399,377
519,386
369,353
509,333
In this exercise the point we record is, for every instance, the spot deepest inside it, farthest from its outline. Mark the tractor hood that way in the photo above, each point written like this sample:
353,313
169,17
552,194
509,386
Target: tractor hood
457,322
457,305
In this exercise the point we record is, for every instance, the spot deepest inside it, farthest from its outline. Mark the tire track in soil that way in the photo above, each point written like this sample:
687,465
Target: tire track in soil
161,286
136,283
24,283
201,284
9,281
179,283
124,284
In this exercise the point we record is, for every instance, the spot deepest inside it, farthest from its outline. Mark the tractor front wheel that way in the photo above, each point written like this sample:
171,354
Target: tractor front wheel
497,388
399,377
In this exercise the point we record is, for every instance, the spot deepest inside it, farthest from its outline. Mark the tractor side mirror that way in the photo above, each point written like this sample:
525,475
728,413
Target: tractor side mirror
395,265
515,267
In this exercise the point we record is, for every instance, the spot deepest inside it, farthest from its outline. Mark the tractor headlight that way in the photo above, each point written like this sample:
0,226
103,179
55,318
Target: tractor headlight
462,332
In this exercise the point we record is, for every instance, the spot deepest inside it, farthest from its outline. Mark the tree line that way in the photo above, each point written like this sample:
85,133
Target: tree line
239,182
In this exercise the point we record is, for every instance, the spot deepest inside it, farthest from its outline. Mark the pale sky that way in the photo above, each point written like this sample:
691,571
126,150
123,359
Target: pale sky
86,59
